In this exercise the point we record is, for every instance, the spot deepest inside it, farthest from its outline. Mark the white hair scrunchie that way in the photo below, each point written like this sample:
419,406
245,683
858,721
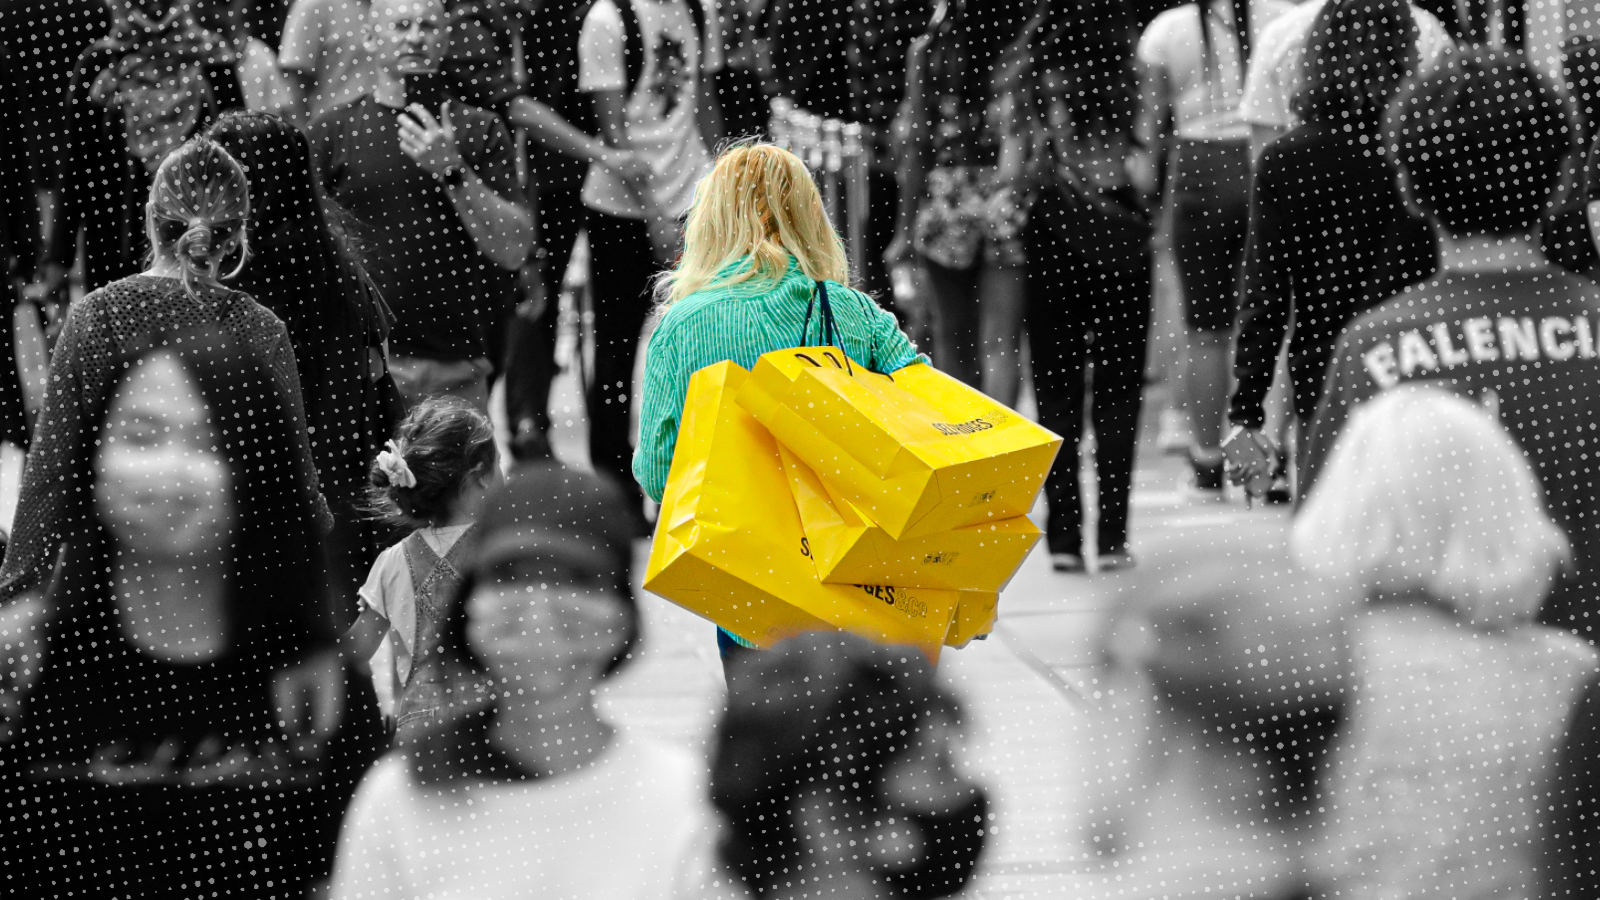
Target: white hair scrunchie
393,465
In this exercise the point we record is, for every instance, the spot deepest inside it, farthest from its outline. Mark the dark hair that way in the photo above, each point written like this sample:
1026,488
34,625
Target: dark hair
1357,55
1479,140
294,227
565,511
276,579
821,712
198,209
1580,65
967,41
443,441
1090,44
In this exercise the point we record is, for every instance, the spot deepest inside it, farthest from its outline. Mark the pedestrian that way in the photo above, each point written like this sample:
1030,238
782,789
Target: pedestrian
759,256
1324,215
325,54
304,268
744,83
656,100
148,756
1272,80
196,220
835,771
959,220
1572,840
157,80
1461,700
434,183
562,802
1497,310
1076,170
429,480
1195,57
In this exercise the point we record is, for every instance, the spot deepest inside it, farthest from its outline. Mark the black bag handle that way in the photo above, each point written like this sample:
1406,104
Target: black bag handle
828,324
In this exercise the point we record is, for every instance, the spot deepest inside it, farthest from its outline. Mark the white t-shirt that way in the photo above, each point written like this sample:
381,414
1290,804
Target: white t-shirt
1275,62
661,120
1205,108
327,39
265,89
628,828
388,592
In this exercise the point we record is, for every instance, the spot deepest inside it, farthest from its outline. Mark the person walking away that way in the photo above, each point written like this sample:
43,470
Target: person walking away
1498,322
196,219
157,80
302,267
430,480
959,219
1461,699
325,55
434,182
759,252
744,82
1194,59
656,100
1272,79
1324,214
1075,161
543,617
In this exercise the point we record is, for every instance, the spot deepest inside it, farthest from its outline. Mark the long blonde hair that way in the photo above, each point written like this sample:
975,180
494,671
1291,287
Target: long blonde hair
758,205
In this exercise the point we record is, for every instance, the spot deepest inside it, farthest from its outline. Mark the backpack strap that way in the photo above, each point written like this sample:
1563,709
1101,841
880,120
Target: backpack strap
632,44
633,39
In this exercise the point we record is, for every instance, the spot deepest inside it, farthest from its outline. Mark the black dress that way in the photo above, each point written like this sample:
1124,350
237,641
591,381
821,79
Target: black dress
169,829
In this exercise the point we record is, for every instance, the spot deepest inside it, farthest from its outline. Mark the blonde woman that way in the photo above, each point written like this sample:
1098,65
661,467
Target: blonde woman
1459,700
758,253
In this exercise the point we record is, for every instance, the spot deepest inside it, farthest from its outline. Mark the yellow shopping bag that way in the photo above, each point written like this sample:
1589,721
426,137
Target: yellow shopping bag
918,452
975,616
729,547
848,548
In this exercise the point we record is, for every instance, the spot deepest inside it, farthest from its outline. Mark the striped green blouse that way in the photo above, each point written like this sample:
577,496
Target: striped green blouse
740,323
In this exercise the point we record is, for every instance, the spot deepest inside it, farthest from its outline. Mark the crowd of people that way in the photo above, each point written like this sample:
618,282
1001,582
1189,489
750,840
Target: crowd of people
277,620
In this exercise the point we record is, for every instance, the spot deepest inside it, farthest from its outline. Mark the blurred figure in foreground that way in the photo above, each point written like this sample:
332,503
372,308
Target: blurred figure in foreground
149,756
1461,701
835,772
562,803
1215,709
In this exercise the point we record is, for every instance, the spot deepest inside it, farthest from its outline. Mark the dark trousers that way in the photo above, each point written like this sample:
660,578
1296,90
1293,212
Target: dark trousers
620,266
530,365
1078,313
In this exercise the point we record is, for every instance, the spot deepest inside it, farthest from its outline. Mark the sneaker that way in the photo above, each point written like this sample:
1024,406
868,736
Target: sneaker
1174,434
1116,562
1067,562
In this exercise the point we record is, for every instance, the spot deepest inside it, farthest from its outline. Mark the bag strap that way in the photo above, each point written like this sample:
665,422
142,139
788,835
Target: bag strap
828,324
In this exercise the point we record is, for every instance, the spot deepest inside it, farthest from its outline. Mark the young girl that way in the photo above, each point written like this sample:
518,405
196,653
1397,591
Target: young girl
525,789
429,479
758,250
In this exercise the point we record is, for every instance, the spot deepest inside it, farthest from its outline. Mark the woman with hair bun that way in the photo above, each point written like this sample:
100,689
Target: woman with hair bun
195,221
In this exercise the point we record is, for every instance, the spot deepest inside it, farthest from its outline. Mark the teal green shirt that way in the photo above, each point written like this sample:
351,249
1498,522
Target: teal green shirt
740,323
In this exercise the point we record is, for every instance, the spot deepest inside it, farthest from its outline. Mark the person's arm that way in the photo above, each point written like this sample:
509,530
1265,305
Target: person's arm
286,373
892,350
1266,297
1261,136
548,129
299,51
664,389
501,228
49,473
